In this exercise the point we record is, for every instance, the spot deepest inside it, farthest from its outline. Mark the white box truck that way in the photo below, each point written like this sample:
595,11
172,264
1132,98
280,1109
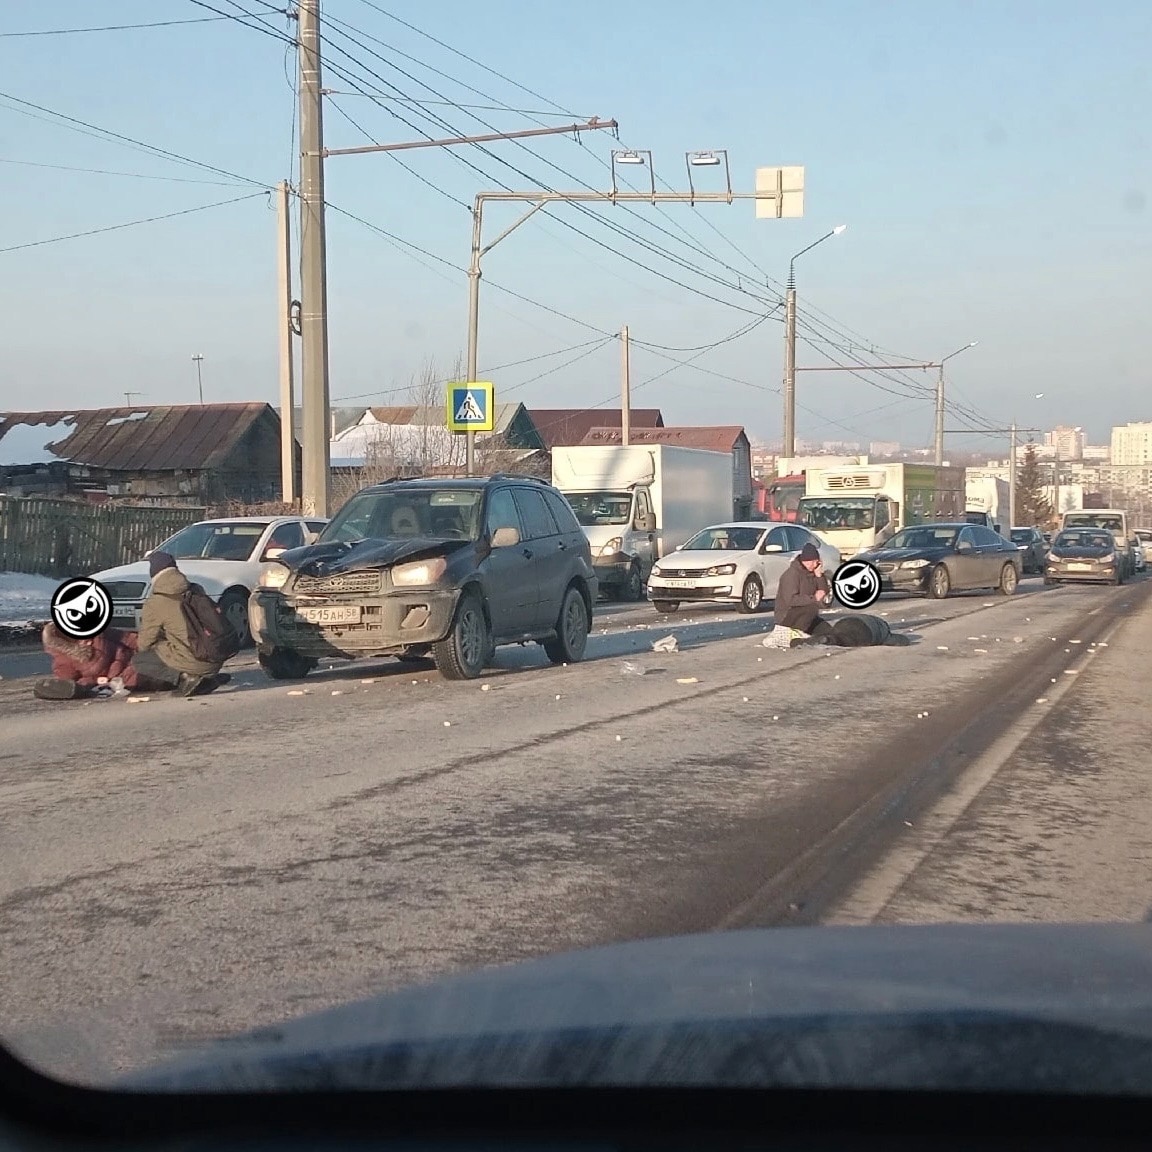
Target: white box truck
858,509
986,501
637,503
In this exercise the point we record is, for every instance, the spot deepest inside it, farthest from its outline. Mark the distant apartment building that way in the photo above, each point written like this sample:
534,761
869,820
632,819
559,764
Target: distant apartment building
880,448
1132,445
1066,442
1097,453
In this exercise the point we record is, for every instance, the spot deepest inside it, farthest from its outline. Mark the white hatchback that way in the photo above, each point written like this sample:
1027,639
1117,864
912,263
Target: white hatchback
739,562
225,557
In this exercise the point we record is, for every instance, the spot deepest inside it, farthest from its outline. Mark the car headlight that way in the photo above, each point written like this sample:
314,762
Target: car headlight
419,572
914,564
656,570
616,544
275,576
721,570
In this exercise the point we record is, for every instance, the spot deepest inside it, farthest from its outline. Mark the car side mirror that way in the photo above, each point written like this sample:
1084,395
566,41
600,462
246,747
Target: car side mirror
311,537
505,537
964,546
773,548
273,553
149,553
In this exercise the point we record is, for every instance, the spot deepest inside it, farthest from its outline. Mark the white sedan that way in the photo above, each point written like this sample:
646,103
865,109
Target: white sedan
224,556
740,562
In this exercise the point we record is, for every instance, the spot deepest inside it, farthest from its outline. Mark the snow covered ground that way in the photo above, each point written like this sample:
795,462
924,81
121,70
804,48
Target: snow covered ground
24,597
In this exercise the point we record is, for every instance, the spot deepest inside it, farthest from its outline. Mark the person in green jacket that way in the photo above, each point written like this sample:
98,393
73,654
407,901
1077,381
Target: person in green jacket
163,651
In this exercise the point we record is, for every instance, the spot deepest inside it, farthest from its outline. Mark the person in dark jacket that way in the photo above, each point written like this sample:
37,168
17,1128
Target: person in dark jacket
163,650
81,667
803,590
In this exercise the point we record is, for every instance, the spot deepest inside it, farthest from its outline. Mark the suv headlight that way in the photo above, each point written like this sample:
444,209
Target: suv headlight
721,570
616,544
419,572
656,570
274,576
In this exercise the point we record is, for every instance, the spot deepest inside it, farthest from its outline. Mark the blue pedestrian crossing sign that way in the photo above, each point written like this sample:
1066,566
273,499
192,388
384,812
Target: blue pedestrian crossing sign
471,407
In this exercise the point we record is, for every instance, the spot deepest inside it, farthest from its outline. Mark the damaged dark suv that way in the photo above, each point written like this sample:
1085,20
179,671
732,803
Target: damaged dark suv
431,567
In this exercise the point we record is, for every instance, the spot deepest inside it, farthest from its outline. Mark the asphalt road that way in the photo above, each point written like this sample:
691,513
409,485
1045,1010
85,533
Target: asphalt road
173,871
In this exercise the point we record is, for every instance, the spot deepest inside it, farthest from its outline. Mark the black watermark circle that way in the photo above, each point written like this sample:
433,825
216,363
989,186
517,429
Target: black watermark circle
857,584
81,608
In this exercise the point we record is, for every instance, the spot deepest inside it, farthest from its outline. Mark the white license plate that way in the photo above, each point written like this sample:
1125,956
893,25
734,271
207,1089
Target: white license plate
337,614
680,583
1079,567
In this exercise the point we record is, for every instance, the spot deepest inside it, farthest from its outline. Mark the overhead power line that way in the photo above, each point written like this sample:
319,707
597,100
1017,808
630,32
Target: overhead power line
129,223
113,172
112,27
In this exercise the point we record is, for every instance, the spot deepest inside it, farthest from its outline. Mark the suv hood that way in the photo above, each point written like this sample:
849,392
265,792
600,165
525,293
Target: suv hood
1041,1008
328,559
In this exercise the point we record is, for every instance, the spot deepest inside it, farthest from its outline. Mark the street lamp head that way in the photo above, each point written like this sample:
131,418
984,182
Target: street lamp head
703,159
838,229
628,158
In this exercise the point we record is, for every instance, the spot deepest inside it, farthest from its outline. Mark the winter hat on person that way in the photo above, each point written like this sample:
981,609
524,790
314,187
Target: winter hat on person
809,552
158,561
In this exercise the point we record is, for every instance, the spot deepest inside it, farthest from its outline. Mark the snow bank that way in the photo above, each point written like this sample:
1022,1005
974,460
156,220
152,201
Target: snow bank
27,443
125,419
24,597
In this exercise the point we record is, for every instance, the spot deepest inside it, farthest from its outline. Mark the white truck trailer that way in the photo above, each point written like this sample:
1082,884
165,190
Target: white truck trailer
639,502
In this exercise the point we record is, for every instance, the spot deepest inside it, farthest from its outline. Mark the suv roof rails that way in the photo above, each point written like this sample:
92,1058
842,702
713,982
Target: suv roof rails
520,476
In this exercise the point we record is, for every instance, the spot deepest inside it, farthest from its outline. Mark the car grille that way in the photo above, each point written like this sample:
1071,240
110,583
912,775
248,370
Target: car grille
886,568
125,589
682,573
366,581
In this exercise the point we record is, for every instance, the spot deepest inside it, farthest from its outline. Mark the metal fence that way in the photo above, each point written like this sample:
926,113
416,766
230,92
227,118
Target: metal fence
63,538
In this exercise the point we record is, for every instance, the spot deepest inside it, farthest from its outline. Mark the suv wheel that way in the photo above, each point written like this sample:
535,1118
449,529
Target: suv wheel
571,631
284,664
462,654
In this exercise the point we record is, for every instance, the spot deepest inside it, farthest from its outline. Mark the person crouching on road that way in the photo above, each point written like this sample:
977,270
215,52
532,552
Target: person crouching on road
81,668
803,590
163,649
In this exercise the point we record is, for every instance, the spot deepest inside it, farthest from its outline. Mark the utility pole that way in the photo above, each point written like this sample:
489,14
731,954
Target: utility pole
625,388
314,391
1012,479
197,359
940,400
790,344
790,367
284,309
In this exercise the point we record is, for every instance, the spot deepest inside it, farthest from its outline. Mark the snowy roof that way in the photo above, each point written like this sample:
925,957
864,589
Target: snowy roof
144,439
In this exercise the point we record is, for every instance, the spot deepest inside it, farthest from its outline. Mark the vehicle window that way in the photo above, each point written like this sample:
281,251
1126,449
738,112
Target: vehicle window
561,511
725,538
596,508
286,536
881,515
643,507
225,540
966,536
316,525
502,512
797,538
986,538
827,513
537,520
1023,535
778,537
406,513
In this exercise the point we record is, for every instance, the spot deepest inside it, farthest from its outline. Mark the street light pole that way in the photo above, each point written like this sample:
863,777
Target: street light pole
790,344
197,359
940,401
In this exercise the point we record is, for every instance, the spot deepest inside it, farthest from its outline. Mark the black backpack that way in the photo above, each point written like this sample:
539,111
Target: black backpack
211,637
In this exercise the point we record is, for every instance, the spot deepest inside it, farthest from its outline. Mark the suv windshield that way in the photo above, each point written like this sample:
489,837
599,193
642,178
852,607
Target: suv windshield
1088,520
595,508
407,513
233,540
923,538
1021,535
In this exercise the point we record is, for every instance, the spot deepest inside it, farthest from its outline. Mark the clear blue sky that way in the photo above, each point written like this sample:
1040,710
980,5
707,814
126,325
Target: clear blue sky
991,159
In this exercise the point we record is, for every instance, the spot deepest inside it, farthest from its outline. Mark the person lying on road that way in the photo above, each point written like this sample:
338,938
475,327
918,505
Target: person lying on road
81,667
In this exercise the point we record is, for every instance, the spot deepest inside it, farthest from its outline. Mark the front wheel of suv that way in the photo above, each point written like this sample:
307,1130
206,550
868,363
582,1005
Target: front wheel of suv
463,653
571,638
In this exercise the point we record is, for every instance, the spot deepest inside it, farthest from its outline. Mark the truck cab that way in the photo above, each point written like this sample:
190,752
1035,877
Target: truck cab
621,528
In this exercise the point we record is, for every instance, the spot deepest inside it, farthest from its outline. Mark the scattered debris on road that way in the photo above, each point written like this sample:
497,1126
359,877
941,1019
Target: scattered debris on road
668,644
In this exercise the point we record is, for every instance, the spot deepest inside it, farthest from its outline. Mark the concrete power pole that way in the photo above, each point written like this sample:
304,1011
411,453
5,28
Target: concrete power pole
314,394
789,447
939,454
284,308
625,387
1012,480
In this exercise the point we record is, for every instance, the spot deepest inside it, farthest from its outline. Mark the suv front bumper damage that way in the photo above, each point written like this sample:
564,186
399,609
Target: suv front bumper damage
385,624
